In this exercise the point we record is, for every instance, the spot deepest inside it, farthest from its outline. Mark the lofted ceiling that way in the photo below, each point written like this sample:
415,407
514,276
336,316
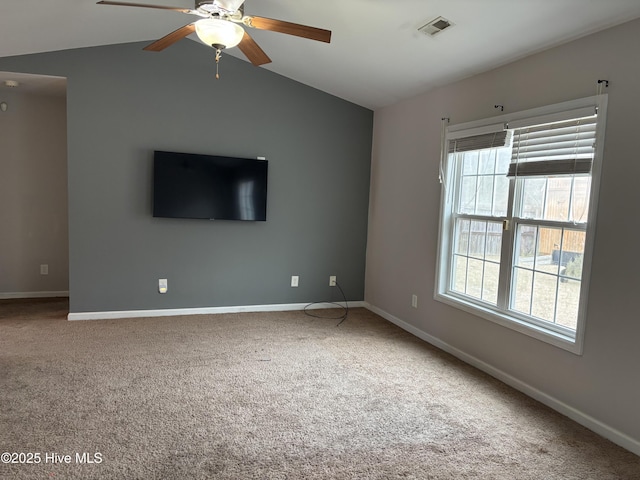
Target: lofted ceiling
377,56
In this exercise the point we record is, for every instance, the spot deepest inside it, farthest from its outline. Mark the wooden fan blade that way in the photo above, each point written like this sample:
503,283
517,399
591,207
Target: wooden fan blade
252,50
289,28
170,39
145,5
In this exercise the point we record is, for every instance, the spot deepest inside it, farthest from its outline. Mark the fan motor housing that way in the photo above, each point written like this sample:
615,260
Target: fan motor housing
218,6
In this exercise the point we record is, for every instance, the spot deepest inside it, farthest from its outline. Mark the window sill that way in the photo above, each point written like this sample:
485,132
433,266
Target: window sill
569,343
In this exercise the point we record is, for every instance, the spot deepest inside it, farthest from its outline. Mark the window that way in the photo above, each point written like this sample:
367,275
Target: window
518,208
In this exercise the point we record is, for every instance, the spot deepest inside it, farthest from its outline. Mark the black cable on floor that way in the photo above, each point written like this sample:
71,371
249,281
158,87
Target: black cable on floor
344,307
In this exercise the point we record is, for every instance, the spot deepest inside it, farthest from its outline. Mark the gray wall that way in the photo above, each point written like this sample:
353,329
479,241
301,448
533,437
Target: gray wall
123,103
33,195
404,212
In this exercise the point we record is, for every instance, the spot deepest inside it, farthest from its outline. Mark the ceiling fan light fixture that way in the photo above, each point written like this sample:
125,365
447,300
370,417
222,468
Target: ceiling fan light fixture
219,33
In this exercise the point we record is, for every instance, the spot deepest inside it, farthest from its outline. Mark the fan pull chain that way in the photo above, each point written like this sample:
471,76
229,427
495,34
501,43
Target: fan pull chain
218,55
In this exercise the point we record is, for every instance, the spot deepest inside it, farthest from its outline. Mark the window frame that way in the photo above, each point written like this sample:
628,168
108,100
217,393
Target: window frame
564,338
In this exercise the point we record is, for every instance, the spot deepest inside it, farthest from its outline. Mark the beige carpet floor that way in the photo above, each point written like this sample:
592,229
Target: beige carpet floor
268,396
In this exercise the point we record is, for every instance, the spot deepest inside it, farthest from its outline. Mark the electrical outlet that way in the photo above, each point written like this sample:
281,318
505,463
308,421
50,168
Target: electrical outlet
294,280
332,281
44,269
414,301
162,285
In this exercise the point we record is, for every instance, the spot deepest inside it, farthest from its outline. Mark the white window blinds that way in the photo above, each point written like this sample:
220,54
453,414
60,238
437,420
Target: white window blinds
559,148
479,142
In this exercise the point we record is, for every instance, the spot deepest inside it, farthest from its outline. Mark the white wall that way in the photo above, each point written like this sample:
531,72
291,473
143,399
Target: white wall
601,386
33,195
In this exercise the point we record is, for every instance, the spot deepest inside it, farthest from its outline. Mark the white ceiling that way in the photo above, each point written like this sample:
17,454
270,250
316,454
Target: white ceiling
376,56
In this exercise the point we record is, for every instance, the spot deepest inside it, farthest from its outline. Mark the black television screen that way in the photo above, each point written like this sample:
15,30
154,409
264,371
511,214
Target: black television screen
189,185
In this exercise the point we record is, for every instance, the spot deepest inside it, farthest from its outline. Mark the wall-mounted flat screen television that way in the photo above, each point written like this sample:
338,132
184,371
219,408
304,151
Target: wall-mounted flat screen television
187,185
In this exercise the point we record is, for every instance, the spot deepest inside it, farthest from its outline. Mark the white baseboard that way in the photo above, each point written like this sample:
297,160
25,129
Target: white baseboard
10,295
593,424
204,311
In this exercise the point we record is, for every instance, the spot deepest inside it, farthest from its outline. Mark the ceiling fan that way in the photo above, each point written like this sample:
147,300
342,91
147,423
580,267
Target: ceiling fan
220,28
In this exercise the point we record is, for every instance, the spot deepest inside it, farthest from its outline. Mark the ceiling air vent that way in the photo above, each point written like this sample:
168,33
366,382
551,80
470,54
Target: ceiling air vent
435,26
